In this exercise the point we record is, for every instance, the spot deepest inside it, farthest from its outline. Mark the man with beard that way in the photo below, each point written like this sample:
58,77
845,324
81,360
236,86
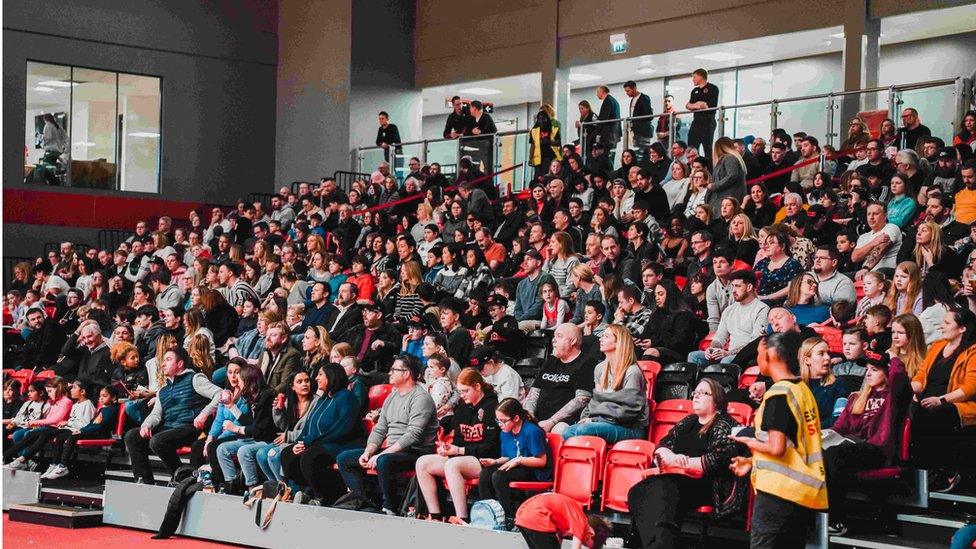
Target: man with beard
945,177
966,198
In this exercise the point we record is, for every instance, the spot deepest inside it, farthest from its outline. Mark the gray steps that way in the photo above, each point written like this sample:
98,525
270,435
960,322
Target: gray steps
61,516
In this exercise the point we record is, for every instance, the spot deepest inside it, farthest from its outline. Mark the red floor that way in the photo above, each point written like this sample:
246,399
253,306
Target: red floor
21,534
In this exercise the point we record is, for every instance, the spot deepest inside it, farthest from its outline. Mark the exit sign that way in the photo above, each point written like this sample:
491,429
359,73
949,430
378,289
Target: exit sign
618,43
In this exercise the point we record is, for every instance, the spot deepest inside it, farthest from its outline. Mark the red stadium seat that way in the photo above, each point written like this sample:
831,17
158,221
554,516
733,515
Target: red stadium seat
25,377
896,470
44,375
107,442
378,395
626,463
666,415
748,377
578,468
650,369
741,412
680,281
555,443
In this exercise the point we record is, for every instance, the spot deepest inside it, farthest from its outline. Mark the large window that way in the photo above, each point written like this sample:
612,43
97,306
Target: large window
92,128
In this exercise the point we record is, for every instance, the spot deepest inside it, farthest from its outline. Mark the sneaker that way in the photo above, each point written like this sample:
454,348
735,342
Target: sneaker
16,465
836,529
31,465
389,512
46,474
58,472
952,480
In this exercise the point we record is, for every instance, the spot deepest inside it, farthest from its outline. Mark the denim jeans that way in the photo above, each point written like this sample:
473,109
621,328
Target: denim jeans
699,358
269,460
225,456
249,461
388,466
607,431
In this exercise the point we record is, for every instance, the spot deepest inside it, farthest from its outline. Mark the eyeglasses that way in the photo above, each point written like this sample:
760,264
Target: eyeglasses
504,421
700,394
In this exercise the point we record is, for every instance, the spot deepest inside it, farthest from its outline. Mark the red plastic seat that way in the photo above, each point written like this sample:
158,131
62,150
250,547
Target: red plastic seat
555,444
741,412
107,442
748,377
666,415
626,463
25,377
680,281
378,395
578,468
44,375
895,471
650,369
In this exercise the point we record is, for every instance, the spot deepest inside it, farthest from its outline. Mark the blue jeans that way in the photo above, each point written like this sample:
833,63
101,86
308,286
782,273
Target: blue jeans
964,537
388,467
698,357
19,435
607,431
249,461
134,410
269,460
225,456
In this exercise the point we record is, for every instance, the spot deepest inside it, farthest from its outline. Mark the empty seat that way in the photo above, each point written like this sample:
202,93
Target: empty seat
44,375
748,377
741,412
650,369
529,366
727,375
578,468
625,466
900,466
378,395
675,381
666,415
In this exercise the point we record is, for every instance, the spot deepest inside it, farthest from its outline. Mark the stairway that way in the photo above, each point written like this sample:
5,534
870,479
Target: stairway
65,504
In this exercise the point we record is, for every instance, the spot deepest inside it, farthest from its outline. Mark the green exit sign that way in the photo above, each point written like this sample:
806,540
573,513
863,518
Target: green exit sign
618,43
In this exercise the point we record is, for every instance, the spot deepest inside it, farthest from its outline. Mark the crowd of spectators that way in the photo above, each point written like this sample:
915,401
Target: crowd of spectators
263,327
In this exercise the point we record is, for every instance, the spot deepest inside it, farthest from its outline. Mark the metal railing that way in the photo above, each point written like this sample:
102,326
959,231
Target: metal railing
815,114
109,239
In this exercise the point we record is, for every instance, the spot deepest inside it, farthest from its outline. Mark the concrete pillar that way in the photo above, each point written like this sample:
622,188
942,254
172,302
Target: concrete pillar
555,80
860,61
314,57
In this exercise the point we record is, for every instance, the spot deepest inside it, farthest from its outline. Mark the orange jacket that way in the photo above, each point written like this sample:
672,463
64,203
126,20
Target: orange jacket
963,377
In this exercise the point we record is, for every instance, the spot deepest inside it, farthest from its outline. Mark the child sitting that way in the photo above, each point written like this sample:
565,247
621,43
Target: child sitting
555,310
494,366
852,368
72,411
413,340
35,407
66,439
876,321
350,364
11,400
438,384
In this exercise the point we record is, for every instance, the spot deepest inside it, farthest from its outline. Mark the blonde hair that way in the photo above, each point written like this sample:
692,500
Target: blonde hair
325,344
911,291
623,358
725,147
163,343
912,355
583,271
806,349
934,245
199,351
411,278
748,230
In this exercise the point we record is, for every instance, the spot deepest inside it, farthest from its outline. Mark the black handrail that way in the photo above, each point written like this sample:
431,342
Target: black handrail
344,179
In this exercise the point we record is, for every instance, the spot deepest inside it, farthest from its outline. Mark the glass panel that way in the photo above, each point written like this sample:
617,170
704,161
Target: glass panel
445,154
746,121
93,123
139,111
936,109
369,159
754,84
512,150
46,150
402,167
808,116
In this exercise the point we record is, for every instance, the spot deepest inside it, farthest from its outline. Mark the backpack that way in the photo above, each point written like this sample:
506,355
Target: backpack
355,501
487,514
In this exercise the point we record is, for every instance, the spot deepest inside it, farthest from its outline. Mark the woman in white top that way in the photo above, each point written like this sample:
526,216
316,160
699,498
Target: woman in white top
700,180
936,302
677,187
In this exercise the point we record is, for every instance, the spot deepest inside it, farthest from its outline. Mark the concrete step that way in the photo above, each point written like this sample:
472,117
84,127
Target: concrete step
61,516
74,497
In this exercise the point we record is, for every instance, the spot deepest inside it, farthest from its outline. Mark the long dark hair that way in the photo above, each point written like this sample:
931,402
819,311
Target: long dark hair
935,289
674,301
512,408
335,376
252,377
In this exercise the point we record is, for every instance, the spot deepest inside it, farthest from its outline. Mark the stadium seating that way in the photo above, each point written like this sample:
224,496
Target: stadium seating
675,381
666,414
378,395
579,467
748,377
727,375
741,412
625,465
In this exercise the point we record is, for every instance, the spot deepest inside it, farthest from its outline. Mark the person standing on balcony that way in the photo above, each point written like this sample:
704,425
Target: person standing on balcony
388,135
459,121
703,96
663,125
640,105
608,134
482,125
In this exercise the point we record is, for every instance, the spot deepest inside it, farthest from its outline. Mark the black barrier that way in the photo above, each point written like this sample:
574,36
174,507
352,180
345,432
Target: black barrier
109,239
344,179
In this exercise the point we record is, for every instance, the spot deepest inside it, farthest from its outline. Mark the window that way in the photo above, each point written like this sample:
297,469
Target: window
92,128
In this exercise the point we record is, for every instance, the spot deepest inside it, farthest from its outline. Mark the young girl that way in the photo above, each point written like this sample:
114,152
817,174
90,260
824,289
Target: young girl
11,401
555,310
35,407
815,369
869,423
908,342
438,384
875,286
905,294
66,439
357,384
236,401
524,456
62,414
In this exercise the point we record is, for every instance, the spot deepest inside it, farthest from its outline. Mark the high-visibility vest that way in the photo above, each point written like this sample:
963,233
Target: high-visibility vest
798,475
537,144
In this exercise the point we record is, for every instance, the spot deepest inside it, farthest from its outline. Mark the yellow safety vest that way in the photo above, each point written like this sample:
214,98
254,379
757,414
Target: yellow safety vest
537,145
798,475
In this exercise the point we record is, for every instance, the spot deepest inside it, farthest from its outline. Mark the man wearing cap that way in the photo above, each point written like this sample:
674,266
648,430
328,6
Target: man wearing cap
374,342
528,299
459,343
405,430
503,332
944,176
564,384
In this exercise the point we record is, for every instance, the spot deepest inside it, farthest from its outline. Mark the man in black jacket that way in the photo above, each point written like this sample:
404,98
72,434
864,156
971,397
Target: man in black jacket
640,105
387,135
482,125
458,122
170,321
610,132
44,341
95,365
511,221
346,315
375,343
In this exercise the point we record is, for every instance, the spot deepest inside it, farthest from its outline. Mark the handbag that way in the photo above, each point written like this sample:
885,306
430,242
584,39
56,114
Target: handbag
276,491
